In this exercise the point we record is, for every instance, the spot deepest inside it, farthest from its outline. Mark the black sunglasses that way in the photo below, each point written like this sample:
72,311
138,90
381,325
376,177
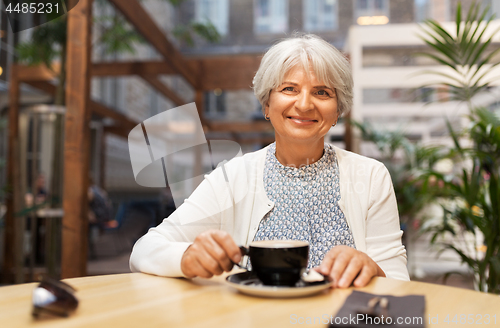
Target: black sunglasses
54,297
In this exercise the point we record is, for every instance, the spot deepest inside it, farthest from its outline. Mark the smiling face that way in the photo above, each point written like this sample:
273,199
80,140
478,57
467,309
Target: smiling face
302,109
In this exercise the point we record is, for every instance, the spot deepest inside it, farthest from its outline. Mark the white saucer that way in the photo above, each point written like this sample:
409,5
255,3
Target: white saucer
248,283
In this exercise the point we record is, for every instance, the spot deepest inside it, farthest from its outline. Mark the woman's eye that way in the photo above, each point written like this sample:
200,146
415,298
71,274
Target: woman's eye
323,93
288,89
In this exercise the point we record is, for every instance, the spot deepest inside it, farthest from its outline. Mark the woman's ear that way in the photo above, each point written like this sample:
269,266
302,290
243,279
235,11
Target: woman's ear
266,108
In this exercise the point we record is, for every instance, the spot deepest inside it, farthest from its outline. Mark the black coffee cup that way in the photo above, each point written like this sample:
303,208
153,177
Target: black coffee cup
278,262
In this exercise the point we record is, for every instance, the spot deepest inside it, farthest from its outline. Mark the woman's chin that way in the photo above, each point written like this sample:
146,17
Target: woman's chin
301,138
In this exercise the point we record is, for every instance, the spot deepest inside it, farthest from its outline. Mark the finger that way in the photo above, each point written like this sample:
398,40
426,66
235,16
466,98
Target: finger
339,267
219,254
327,263
200,270
364,277
191,267
208,262
350,272
227,243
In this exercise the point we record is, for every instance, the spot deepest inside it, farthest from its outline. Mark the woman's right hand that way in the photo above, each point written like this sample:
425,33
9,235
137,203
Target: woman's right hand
212,253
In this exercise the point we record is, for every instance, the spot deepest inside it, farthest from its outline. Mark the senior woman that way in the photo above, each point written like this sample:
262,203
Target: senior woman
297,188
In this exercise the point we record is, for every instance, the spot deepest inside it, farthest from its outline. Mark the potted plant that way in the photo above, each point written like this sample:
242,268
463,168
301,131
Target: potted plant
470,195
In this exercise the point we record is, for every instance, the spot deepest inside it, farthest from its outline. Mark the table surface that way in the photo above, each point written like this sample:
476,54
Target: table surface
141,300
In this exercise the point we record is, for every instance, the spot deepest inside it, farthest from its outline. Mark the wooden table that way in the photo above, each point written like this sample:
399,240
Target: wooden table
140,300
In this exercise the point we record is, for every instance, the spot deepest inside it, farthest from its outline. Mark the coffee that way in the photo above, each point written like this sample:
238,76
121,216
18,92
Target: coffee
279,262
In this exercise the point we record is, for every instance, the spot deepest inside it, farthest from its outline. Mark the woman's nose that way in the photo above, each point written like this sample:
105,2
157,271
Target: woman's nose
304,101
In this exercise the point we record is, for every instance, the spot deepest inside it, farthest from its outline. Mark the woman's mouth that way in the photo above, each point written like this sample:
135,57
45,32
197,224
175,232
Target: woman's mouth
301,120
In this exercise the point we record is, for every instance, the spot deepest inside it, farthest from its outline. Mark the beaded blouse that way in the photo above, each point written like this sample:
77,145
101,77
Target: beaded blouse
306,205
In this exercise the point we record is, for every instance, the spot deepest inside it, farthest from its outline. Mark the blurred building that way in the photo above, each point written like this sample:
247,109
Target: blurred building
373,33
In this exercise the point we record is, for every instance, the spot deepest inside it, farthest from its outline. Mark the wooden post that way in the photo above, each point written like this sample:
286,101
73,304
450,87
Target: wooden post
348,132
13,200
102,159
77,142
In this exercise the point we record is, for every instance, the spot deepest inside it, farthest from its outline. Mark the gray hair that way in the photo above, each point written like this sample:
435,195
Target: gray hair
329,65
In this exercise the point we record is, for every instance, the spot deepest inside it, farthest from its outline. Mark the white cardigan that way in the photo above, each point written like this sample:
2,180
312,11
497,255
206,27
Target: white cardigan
367,200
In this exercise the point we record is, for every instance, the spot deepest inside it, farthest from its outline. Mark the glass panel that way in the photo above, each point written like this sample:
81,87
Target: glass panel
495,8
320,15
365,9
421,10
362,4
379,4
271,16
215,11
328,6
264,8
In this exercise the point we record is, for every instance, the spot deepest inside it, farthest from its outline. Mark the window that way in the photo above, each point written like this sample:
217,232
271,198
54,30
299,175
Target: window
320,15
371,12
215,104
422,10
271,16
432,9
214,11
494,7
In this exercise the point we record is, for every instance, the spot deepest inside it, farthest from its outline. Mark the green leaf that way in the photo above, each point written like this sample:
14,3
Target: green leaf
435,27
182,32
175,3
454,136
444,49
458,17
207,30
474,42
465,259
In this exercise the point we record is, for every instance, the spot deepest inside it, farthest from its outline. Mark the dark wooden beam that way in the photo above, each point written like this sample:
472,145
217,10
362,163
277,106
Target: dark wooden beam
146,70
13,201
223,72
37,73
96,107
119,118
163,89
131,68
45,86
257,126
145,25
77,141
228,72
117,130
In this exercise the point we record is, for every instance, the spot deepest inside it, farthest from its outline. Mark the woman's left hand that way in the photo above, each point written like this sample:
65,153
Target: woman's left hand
345,264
